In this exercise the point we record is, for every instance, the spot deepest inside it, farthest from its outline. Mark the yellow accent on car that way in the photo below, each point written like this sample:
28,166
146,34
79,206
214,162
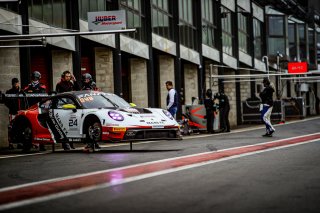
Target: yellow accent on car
119,129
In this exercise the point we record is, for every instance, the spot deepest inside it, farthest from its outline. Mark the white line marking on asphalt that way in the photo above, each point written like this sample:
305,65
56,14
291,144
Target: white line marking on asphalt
138,177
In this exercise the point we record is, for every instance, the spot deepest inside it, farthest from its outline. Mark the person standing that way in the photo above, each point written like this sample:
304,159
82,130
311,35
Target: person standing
224,107
89,84
66,84
267,105
13,104
35,87
208,103
172,99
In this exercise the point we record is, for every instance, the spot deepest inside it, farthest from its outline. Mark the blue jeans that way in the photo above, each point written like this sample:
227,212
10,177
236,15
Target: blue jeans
173,111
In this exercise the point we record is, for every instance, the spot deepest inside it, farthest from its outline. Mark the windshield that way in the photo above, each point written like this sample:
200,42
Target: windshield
102,100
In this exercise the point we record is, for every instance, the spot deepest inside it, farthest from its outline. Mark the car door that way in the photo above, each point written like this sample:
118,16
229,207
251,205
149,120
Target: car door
68,117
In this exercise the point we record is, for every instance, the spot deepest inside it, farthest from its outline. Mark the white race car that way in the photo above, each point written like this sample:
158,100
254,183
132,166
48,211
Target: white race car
90,116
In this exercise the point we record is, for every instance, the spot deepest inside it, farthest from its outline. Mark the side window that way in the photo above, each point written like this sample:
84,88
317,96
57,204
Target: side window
63,101
46,105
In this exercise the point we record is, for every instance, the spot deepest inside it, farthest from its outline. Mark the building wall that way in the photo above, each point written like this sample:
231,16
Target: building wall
190,82
61,61
230,91
10,68
214,81
166,73
104,69
138,78
245,88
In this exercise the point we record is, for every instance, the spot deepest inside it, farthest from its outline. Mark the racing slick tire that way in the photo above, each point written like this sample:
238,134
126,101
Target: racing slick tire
93,133
23,134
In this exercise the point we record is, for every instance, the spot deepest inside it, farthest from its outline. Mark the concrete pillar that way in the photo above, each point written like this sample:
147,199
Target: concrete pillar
166,73
190,83
230,91
61,61
139,86
104,69
214,81
10,68
245,88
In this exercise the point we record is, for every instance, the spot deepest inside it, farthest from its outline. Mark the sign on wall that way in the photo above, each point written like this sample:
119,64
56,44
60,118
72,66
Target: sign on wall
107,20
297,67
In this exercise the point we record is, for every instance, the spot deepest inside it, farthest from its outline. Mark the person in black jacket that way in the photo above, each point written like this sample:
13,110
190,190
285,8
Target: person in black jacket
35,87
224,108
267,104
208,103
66,84
13,104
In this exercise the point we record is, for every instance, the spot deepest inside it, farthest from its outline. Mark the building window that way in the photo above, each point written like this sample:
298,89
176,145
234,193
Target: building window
257,38
293,55
186,23
86,6
276,35
51,12
302,42
227,35
312,46
135,18
243,35
162,23
13,6
208,23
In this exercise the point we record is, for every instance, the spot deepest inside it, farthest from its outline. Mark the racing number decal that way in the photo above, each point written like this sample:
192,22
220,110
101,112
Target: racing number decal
73,122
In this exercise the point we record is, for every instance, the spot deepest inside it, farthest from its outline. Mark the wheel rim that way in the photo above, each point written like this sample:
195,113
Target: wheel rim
94,131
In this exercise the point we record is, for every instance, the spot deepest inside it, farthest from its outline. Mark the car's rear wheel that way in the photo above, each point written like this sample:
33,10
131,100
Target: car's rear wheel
24,136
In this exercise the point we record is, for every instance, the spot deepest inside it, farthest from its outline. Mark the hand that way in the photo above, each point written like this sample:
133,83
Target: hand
73,78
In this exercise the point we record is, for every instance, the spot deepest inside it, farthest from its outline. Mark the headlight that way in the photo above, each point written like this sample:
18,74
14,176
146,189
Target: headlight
168,114
115,116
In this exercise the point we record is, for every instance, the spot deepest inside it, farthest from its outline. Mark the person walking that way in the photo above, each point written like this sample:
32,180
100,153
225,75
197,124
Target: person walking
67,83
172,99
35,86
267,105
13,104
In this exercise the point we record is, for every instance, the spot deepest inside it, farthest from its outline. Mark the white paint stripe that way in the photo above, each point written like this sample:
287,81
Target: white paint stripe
139,177
186,137
146,163
22,155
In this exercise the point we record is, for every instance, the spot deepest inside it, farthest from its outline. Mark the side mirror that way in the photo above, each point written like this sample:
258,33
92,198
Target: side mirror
69,106
132,105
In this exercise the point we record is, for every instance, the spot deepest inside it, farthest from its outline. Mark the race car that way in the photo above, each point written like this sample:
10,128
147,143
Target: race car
90,116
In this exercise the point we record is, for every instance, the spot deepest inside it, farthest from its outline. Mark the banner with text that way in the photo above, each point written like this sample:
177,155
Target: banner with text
107,20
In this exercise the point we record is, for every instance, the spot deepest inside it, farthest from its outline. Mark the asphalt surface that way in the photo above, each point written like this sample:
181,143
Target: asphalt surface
285,179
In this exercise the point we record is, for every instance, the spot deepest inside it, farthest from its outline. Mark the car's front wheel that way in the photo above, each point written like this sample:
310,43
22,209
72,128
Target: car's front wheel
94,131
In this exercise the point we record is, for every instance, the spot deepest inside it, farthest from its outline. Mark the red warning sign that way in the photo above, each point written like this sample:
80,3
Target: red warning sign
297,67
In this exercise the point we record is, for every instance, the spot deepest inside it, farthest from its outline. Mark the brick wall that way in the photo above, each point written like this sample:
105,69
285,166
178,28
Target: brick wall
190,83
10,68
61,61
166,72
139,87
104,69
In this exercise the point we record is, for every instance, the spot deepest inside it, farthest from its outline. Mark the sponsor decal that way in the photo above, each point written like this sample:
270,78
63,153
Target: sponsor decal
41,139
155,122
158,126
130,134
74,139
119,129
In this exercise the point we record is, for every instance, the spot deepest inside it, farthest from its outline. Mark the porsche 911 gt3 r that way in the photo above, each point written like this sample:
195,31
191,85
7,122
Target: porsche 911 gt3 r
90,116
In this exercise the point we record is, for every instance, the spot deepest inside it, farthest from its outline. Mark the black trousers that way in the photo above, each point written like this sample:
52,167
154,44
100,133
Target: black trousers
210,120
224,118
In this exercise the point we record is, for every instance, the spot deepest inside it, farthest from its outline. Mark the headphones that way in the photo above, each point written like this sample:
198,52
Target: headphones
64,73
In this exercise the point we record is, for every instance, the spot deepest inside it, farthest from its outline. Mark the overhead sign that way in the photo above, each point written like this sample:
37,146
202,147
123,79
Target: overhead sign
107,20
297,67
